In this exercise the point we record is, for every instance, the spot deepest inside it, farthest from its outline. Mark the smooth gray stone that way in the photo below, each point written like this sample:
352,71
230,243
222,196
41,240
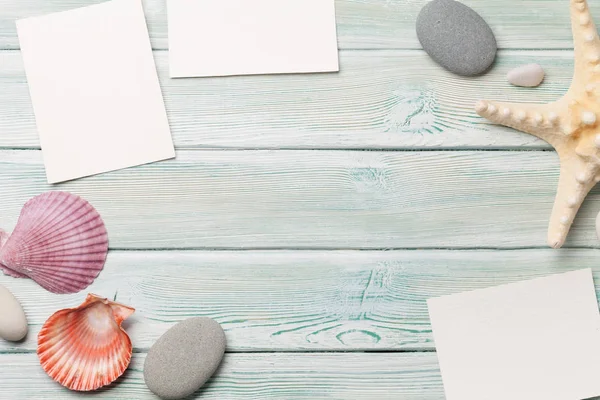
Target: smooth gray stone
184,358
456,37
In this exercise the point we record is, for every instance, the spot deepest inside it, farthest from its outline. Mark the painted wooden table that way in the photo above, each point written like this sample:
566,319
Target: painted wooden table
312,215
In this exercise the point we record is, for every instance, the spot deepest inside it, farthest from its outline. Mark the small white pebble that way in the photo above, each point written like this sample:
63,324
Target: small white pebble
528,75
13,323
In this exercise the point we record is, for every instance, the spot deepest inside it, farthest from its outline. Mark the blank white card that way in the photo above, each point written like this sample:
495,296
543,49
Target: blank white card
537,339
245,37
94,88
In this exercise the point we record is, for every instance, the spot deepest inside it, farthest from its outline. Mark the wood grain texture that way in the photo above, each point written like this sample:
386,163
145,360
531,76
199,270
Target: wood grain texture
316,199
379,100
296,300
285,302
258,376
361,24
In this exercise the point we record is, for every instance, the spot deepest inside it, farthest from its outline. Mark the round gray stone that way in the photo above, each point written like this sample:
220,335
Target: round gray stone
184,358
456,37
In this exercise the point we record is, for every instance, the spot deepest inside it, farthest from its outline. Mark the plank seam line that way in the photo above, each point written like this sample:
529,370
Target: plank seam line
332,249
374,149
302,351
349,49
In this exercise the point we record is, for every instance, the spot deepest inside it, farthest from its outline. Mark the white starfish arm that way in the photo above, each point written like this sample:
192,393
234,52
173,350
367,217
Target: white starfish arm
540,120
575,182
586,44
571,124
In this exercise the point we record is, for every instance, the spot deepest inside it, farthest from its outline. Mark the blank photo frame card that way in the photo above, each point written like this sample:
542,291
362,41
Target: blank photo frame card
95,91
247,37
536,339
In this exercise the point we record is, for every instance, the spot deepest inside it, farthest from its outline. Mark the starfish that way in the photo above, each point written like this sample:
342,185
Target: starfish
571,125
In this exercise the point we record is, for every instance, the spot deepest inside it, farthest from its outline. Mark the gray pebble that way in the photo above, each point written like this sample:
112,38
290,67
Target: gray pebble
184,358
13,324
456,37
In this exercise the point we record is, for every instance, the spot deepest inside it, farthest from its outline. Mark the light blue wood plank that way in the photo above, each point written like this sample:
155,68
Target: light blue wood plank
296,300
258,376
379,100
317,199
372,24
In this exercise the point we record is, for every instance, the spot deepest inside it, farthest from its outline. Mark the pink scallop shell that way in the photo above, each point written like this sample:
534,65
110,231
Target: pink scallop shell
85,348
3,238
60,242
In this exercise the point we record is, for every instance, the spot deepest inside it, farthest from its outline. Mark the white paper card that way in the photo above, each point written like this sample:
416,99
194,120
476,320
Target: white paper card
245,37
94,88
538,339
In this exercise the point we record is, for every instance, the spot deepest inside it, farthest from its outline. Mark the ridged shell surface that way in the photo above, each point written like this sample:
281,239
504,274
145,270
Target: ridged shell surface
85,348
3,238
60,242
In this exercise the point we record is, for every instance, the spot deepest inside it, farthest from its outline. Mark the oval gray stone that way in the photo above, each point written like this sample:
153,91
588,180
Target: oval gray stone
456,37
184,358
13,323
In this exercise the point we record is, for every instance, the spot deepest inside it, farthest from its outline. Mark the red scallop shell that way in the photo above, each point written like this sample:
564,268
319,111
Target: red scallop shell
85,348
60,242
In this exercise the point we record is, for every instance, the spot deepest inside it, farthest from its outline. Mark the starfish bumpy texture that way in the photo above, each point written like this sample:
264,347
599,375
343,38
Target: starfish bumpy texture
571,125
